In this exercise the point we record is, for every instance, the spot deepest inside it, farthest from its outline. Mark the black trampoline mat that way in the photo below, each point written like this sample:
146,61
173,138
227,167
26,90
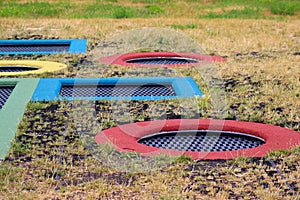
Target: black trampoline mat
116,90
6,48
13,68
5,92
162,61
202,140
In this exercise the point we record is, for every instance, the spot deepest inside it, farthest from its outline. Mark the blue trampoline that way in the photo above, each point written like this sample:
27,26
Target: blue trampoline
50,89
72,46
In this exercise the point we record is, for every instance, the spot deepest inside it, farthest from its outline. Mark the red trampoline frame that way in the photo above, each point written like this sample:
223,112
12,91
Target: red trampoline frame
124,138
120,59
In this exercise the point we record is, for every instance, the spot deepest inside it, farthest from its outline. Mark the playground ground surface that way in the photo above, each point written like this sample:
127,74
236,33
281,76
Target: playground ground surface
261,78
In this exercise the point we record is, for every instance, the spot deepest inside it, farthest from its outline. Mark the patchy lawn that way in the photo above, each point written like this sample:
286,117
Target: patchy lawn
261,79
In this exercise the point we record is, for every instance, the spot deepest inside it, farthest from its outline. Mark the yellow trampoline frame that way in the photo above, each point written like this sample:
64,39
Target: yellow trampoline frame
43,67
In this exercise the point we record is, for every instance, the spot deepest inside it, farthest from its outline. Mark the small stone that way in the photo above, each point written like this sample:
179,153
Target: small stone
237,170
254,53
296,54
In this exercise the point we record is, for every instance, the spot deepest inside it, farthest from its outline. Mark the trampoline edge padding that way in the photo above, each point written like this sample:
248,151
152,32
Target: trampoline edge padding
121,59
125,137
43,67
13,110
78,46
49,88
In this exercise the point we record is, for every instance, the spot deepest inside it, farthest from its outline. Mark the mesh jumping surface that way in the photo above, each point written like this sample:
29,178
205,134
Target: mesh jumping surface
5,92
204,141
116,90
16,68
34,48
162,61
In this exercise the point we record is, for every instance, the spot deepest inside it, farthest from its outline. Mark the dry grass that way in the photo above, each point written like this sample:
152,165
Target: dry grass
262,84
238,36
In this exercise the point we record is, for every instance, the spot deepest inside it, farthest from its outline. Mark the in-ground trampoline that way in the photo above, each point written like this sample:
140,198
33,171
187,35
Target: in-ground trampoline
201,139
167,59
14,96
72,46
23,67
116,88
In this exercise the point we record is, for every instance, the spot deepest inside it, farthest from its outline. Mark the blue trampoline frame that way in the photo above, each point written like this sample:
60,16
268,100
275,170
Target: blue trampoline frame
77,46
48,89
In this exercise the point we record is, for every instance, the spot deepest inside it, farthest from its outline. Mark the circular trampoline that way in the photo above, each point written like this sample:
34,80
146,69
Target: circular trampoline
167,59
198,139
23,67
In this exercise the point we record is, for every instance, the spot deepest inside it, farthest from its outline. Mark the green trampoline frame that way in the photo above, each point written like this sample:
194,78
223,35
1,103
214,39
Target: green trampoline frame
12,112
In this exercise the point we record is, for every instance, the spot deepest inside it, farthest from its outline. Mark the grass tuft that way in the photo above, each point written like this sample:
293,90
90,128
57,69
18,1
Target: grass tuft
122,13
182,27
256,9
245,13
284,8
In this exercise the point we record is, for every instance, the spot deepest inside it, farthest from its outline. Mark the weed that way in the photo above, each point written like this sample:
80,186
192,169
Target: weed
122,13
184,159
36,106
19,148
187,26
8,175
279,153
29,186
242,160
154,10
129,155
68,27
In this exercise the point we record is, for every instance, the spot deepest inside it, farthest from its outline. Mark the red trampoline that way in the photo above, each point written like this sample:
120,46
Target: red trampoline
166,59
201,139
